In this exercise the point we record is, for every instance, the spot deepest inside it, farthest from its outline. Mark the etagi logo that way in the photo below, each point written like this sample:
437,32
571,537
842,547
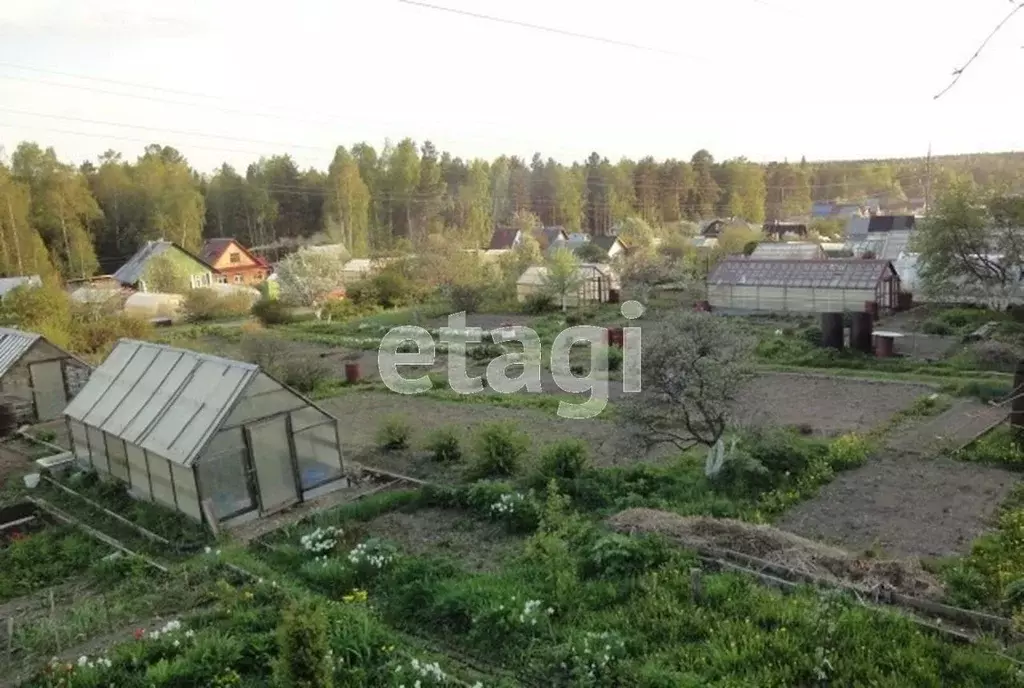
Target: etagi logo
525,365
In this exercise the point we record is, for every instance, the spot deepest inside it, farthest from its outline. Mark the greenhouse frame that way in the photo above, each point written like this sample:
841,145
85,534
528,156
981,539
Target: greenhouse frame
216,439
802,286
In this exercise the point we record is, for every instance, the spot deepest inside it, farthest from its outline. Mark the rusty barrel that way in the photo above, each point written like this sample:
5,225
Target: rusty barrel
614,296
832,330
883,347
615,336
861,327
352,373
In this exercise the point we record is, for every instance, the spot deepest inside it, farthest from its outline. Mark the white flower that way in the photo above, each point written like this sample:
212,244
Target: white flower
208,550
82,660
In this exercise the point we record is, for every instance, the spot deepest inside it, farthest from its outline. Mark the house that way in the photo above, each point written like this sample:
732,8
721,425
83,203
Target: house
598,283
548,236
788,250
357,269
203,435
780,230
611,245
802,286
234,263
37,378
144,272
880,236
828,210
9,284
504,239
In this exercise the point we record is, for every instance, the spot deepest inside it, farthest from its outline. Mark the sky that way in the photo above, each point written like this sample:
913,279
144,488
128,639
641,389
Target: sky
229,81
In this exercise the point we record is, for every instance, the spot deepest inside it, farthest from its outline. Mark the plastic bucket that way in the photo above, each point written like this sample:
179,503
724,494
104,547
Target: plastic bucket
31,480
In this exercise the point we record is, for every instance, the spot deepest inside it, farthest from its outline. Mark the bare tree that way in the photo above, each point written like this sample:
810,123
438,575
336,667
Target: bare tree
694,366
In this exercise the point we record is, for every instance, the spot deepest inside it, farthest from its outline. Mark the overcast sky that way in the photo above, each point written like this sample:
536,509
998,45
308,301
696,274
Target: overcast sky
767,79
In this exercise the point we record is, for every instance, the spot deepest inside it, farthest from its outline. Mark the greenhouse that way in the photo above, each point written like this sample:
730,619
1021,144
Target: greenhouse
216,439
802,286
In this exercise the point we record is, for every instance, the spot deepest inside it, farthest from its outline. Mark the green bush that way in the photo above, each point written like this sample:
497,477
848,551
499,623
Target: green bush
206,305
566,460
932,326
848,451
1001,446
443,445
615,357
812,335
614,556
500,450
272,312
304,373
304,659
394,434
538,304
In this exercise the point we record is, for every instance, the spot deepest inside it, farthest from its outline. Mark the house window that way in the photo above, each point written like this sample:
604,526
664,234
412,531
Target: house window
222,279
235,257
238,279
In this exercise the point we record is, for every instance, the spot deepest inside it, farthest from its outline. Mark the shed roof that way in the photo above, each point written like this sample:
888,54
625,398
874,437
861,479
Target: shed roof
13,345
794,250
823,274
132,271
167,401
890,223
8,284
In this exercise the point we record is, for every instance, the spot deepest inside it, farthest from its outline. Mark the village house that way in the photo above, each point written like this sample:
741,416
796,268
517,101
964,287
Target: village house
505,239
143,271
234,263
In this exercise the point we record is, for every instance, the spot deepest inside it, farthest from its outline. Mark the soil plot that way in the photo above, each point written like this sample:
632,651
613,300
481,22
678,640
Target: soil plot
905,506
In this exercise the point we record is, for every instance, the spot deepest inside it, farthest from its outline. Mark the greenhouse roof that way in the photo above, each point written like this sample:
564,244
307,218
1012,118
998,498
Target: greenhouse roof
795,250
823,274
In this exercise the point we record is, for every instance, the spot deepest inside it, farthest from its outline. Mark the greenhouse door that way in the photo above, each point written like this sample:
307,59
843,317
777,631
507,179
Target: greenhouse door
272,459
48,389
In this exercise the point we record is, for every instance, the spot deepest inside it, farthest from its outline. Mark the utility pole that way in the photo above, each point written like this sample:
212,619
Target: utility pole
928,181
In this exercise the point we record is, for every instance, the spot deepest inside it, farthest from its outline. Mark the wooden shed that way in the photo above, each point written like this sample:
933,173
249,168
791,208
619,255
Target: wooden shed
37,378
802,286
183,429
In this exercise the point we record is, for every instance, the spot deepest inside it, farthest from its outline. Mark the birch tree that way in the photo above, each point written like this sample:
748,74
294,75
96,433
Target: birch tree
563,276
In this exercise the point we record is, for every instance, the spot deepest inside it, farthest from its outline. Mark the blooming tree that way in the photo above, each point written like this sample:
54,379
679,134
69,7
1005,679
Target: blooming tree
307,277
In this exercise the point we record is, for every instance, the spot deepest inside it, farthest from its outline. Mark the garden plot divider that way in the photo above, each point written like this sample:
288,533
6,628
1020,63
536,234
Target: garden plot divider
786,579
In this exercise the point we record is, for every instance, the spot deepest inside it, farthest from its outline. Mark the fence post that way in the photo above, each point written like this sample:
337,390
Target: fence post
53,621
10,638
696,585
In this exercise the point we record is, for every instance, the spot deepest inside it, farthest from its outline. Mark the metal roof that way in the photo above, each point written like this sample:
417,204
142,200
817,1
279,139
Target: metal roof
885,245
8,284
167,401
132,271
794,250
13,345
823,274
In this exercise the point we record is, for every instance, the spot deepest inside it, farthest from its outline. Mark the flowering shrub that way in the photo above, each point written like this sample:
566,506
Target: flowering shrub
848,451
505,622
518,512
591,660
321,541
371,557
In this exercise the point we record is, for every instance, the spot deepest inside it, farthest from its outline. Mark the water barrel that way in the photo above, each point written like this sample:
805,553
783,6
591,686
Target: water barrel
861,327
352,373
614,296
832,330
884,347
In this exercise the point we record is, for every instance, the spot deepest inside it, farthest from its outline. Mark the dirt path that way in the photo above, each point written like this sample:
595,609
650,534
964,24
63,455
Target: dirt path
907,503
964,421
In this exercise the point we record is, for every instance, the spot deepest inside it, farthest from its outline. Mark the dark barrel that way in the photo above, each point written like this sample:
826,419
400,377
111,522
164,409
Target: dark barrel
861,327
832,330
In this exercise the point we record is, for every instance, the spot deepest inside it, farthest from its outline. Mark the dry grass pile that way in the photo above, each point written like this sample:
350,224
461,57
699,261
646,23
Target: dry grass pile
782,549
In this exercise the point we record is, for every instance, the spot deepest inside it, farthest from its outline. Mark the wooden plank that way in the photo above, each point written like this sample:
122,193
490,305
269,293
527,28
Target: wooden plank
121,519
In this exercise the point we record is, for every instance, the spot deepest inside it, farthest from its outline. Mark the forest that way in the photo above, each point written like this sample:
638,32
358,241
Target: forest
78,220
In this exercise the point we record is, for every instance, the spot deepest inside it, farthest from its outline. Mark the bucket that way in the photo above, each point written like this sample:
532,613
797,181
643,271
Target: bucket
31,480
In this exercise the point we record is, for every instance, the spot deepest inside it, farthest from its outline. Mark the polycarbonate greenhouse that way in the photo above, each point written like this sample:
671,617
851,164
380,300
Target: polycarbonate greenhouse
802,286
186,430
788,250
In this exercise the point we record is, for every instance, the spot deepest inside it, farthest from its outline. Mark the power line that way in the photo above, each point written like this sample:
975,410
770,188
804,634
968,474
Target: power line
957,73
548,29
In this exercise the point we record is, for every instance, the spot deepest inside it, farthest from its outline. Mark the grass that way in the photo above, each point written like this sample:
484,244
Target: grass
44,558
579,602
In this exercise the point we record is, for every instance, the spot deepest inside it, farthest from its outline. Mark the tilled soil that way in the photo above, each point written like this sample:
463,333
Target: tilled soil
830,405
904,506
476,545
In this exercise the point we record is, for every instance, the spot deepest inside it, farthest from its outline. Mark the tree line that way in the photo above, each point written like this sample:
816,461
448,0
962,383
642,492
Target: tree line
76,221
